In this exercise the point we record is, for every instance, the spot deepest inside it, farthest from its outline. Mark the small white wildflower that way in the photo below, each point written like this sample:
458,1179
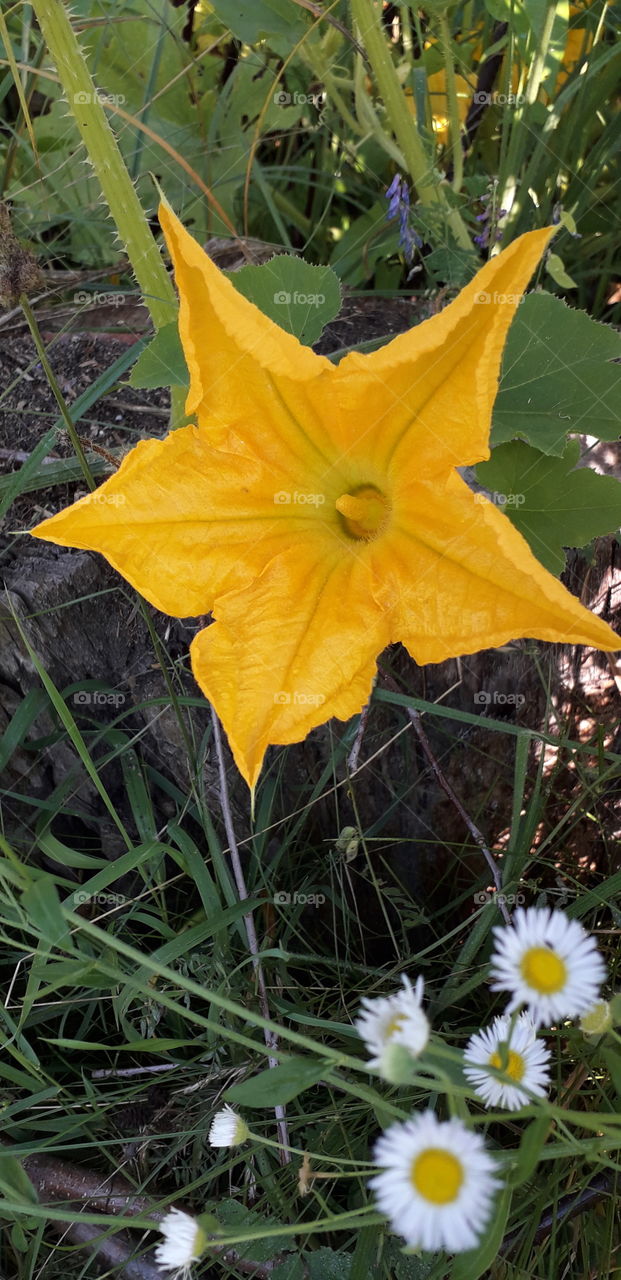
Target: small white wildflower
228,1129
394,1023
437,1183
184,1242
549,963
526,1070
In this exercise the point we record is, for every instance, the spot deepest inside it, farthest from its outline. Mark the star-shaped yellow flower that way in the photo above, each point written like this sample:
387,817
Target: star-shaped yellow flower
316,511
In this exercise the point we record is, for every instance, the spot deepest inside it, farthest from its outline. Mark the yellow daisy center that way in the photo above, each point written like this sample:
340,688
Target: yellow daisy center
543,970
437,1175
395,1024
364,512
514,1066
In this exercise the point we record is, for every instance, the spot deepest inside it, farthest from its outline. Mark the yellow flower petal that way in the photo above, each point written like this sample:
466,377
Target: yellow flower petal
184,522
288,652
423,403
467,579
232,349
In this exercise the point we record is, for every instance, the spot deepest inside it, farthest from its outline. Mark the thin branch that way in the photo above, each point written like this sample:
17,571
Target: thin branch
251,933
352,761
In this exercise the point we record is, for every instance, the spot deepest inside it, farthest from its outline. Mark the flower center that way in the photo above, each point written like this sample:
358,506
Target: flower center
394,1025
437,1175
543,970
364,512
514,1067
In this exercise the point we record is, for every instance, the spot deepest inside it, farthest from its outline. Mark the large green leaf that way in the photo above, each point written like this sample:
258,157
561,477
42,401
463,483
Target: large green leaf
556,377
301,298
553,505
253,20
162,363
278,1085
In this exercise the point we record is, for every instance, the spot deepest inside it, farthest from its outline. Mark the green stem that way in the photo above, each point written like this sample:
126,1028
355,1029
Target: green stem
107,161
429,191
451,100
58,395
510,194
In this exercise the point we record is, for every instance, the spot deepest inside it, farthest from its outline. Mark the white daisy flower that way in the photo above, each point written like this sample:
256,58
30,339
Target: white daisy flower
184,1242
228,1129
524,1061
547,962
437,1183
394,1023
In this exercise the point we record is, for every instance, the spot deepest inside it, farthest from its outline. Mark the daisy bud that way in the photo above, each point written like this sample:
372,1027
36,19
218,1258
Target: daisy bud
228,1129
597,1020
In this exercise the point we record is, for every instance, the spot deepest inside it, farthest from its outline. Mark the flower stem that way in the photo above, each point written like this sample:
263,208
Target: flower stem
57,393
102,147
429,190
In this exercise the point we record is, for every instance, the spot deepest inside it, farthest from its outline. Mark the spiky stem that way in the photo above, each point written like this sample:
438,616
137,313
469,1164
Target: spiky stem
116,185
107,161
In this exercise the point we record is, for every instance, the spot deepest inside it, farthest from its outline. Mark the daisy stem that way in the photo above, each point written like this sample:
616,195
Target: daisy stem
56,391
302,1151
251,933
421,169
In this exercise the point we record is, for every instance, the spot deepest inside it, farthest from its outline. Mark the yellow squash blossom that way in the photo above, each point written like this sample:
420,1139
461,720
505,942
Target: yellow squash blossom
315,510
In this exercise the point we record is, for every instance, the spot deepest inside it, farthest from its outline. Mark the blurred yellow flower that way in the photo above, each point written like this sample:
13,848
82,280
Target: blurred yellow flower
436,88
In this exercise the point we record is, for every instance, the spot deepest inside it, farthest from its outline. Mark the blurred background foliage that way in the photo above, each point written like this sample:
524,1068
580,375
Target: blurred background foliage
276,113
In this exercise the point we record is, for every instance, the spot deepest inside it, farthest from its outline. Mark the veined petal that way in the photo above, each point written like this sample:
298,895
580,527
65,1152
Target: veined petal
288,652
424,401
184,522
235,354
467,579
